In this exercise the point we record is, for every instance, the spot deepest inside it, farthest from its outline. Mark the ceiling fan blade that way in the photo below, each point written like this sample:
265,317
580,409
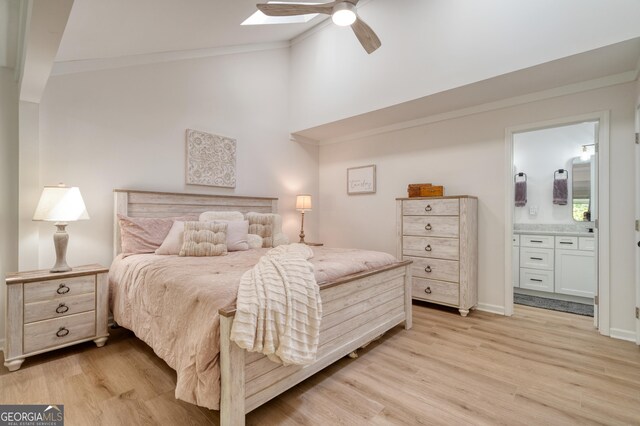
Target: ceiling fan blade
292,9
353,1
368,39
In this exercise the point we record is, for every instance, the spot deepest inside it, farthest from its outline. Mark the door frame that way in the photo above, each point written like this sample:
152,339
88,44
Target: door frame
637,231
602,233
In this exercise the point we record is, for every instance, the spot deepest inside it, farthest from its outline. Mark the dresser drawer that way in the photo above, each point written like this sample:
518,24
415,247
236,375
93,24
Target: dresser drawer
536,258
536,279
434,207
54,289
567,243
437,269
436,291
439,248
59,307
443,226
539,241
55,332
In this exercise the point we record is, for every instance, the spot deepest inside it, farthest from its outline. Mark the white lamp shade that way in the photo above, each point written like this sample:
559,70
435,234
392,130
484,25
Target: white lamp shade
61,204
303,202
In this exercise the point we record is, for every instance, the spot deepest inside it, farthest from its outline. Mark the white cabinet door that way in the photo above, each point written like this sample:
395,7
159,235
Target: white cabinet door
575,272
515,266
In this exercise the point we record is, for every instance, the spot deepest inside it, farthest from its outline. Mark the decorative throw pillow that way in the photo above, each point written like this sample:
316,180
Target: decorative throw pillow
237,231
144,234
204,239
220,215
254,241
269,227
173,241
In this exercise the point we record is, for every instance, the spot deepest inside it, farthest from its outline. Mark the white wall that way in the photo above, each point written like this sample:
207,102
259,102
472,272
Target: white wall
8,182
467,156
436,45
125,128
539,153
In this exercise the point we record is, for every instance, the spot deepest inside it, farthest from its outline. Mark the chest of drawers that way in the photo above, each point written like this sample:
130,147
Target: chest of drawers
440,236
47,311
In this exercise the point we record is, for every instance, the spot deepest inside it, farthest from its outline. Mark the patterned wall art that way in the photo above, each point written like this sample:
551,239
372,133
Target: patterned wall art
211,159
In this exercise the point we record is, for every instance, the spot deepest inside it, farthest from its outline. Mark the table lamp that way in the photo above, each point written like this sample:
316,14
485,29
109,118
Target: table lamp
303,204
61,204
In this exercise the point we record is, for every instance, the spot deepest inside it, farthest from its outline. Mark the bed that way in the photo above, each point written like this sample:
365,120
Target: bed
361,300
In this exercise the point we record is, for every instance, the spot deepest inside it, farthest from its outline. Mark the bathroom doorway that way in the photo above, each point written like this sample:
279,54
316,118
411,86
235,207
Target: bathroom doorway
554,215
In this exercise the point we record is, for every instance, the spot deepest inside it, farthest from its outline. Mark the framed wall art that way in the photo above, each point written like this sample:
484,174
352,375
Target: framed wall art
361,180
211,160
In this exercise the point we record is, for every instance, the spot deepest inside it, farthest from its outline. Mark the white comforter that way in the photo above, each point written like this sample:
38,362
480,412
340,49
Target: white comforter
279,308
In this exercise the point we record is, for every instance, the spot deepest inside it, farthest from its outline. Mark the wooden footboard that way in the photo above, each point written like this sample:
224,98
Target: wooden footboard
356,309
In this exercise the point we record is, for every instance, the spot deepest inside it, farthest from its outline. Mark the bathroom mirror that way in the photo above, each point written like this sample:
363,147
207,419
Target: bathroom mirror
581,190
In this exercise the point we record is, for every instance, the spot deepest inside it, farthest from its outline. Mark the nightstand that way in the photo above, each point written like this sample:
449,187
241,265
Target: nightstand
315,244
47,311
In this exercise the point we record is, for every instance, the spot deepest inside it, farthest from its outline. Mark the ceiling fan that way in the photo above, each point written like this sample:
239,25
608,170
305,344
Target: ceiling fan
343,13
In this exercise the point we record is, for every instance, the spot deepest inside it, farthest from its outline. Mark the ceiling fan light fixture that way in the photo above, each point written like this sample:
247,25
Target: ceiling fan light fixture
344,14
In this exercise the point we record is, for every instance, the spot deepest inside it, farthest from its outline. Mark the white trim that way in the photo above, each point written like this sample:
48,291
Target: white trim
584,86
628,335
71,67
602,234
2,345
494,309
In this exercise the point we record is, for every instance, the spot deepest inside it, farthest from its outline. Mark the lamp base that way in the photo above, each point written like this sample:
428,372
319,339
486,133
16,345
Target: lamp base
302,230
60,241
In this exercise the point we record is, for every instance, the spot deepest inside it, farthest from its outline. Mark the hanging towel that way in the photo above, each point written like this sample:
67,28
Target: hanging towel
560,191
521,193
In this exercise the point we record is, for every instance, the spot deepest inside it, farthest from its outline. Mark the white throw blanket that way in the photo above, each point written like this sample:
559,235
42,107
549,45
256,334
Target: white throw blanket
279,310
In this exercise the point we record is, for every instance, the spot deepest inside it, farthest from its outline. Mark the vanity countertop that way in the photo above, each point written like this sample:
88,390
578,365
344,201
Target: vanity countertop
558,233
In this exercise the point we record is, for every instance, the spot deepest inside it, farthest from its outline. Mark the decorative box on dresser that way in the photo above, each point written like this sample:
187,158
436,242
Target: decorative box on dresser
47,311
440,236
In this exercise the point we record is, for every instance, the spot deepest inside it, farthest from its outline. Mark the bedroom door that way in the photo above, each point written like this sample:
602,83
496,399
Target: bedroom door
637,248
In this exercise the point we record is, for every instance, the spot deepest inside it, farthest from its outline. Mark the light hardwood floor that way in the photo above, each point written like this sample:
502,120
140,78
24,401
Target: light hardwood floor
538,367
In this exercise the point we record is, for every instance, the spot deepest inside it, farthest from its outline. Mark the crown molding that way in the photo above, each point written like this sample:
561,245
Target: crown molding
584,86
86,65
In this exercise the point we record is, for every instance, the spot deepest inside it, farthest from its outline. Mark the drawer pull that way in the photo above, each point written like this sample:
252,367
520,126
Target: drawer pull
63,289
535,258
62,332
428,208
62,308
427,269
427,290
536,241
566,242
428,227
535,279
428,247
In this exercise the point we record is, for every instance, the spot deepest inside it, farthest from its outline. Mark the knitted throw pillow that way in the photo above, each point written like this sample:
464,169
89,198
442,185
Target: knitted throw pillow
204,239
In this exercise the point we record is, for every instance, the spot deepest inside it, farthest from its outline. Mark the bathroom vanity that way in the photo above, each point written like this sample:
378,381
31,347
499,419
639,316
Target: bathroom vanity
554,262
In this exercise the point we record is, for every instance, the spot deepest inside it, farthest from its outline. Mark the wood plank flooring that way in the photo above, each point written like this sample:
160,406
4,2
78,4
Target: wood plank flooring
538,367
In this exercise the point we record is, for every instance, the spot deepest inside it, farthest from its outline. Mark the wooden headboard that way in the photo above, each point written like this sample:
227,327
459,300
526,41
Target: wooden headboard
170,204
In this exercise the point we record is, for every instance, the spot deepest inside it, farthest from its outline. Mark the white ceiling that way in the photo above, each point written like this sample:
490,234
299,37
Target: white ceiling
116,28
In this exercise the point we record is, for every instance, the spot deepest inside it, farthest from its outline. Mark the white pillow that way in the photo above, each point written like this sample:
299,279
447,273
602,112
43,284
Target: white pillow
220,215
173,241
254,241
236,237
237,234
269,227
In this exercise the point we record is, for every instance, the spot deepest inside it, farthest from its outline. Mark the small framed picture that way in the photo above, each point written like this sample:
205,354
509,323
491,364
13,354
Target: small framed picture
361,180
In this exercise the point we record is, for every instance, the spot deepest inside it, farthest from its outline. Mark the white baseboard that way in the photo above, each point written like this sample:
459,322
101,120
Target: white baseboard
494,309
617,333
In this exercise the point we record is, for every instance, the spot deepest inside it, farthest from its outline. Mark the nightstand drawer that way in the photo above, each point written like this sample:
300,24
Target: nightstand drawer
439,248
437,269
434,207
55,332
436,291
443,226
64,306
54,289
